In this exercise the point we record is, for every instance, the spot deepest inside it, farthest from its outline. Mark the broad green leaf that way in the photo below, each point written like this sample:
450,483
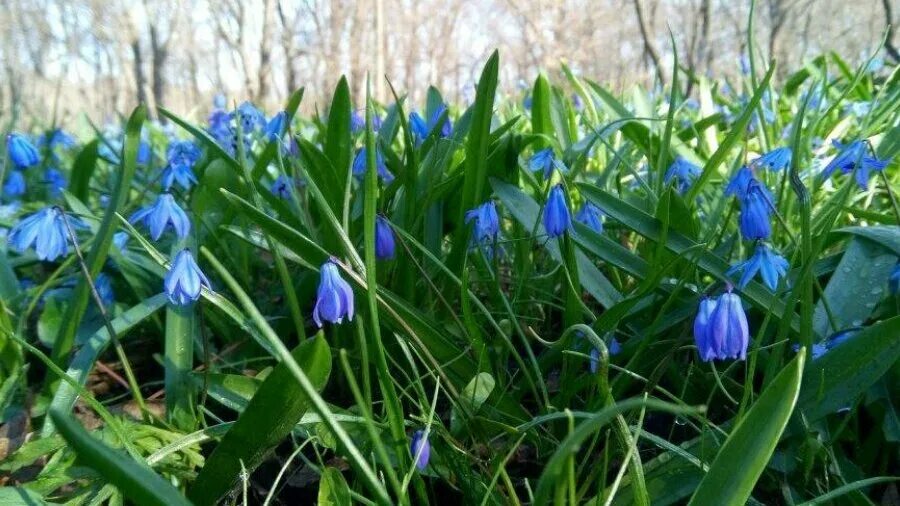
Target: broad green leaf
277,406
338,140
540,111
478,390
887,236
333,489
134,479
21,496
83,168
744,456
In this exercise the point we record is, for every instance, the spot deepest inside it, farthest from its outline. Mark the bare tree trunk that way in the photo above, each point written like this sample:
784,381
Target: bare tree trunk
265,52
889,36
649,47
158,54
139,80
379,50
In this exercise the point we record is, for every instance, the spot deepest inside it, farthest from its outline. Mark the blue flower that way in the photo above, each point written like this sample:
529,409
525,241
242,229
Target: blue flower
557,220
145,153
755,213
384,239
894,280
184,280
545,160
770,265
120,240
276,126
777,159
683,172
165,211
281,188
22,153
720,328
614,348
56,181
219,121
420,129
486,225
334,298
178,173
250,117
357,122
446,128
577,103
57,138
526,102
15,184
46,230
103,285
740,182
359,165
182,154
846,161
420,449
592,216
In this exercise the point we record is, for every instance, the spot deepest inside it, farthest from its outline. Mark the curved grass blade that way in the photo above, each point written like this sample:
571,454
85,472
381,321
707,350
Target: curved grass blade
134,479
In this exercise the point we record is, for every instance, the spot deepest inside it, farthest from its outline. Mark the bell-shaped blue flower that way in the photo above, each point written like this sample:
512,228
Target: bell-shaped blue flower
446,127
420,449
683,173
357,122
184,280
486,226
165,211
557,220
740,183
591,215
545,161
770,265
15,184
21,151
894,280
359,165
384,239
251,118
103,285
334,298
720,328
57,138
776,160
144,153
276,126
846,160
45,230
282,185
56,181
755,213
178,173
614,348
120,240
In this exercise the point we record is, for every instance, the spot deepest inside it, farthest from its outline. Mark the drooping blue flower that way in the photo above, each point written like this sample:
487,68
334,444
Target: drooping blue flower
418,127
577,103
376,121
165,211
276,126
145,153
615,347
683,172
446,127
384,239
591,215
21,152
57,138
545,160
557,220
755,214
103,285
420,449
56,182
15,184
183,153
120,240
720,328
776,160
846,160
185,280
740,183
894,280
486,224
46,230
359,165
219,121
178,173
334,298
282,185
770,265
251,118
357,122
526,102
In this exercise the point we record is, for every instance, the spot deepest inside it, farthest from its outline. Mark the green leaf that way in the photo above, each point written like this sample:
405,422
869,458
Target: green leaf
212,146
134,479
478,390
333,489
744,456
21,496
858,283
277,406
540,111
338,139
888,236
83,168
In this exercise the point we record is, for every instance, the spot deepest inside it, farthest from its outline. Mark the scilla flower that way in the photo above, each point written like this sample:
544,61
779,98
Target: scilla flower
894,280
720,328
486,226
420,449
22,153
184,280
181,157
557,220
56,181
755,213
545,161
276,126
15,184
740,183
103,285
770,265
163,212
357,122
359,165
250,117
418,127
777,159
592,216
46,230
334,299
384,239
281,187
847,160
683,173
